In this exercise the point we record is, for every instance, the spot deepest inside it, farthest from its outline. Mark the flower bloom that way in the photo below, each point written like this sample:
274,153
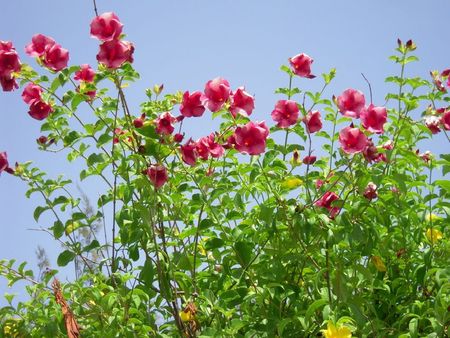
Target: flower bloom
313,121
309,159
351,102
8,83
39,43
352,140
434,235
373,118
189,153
178,137
157,175
85,73
39,110
52,55
251,138
217,92
9,64
301,65
378,262
285,113
445,120
55,57
114,53
106,27
31,92
333,331
433,123
242,103
326,202
3,162
371,191
164,123
291,183
208,146
192,105
139,121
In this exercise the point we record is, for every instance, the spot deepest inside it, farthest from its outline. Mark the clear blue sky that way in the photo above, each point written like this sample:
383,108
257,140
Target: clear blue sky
185,43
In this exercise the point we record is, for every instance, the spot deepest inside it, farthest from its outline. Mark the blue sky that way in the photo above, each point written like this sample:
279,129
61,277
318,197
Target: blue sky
185,43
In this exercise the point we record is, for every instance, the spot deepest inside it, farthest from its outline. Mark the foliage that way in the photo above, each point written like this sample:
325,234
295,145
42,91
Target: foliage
240,245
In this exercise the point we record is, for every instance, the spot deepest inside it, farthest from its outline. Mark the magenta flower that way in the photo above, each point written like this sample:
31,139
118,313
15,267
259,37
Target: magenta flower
157,175
86,74
352,140
313,121
285,113
373,118
242,103
351,102
217,92
301,65
251,138
192,105
189,152
106,27
31,92
39,44
164,124
114,53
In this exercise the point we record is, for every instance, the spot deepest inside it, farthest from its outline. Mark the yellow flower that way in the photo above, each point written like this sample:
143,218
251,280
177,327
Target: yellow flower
432,218
434,235
186,316
379,265
336,332
292,183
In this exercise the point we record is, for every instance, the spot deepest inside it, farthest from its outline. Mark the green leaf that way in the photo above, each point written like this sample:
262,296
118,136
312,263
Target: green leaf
314,307
38,212
65,257
243,252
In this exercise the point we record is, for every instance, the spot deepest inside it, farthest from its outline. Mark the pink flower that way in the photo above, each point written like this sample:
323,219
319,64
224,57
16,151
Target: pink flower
352,140
388,145
217,92
313,121
373,118
445,120
55,57
251,138
106,27
351,102
433,123
326,201
214,148
3,162
9,64
8,83
178,137
370,192
164,124
301,65
9,60
189,153
42,139
115,52
309,159
285,113
39,44
192,104
426,156
139,122
201,148
242,103
31,92
157,175
39,110
86,74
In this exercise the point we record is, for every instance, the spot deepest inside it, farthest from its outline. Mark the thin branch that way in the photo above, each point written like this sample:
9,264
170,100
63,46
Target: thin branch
370,87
